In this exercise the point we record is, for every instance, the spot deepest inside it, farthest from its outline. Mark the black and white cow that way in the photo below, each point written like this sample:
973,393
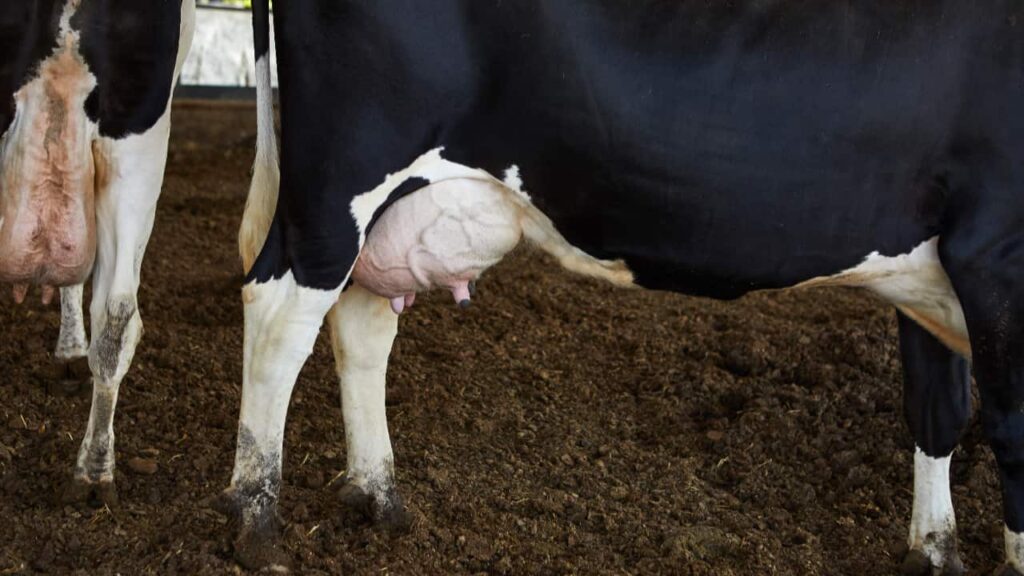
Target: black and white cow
707,148
85,90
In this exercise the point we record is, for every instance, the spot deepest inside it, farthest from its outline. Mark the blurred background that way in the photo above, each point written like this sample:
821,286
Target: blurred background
220,64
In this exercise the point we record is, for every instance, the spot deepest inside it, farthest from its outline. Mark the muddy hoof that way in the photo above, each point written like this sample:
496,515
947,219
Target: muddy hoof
258,547
70,377
1007,570
917,563
387,512
94,494
226,503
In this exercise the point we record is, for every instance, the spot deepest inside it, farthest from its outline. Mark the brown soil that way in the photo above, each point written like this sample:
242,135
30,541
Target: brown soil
558,426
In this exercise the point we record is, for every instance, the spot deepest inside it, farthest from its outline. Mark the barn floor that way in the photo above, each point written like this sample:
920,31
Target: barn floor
558,426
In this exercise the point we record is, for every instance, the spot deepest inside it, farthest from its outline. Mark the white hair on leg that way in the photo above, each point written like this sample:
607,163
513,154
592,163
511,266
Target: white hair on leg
933,523
282,321
363,329
72,342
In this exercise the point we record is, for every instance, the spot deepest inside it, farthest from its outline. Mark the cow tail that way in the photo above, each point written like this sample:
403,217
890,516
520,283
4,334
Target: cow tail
266,173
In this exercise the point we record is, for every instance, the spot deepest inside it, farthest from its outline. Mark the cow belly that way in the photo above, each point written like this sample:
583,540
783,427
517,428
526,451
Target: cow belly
47,216
442,236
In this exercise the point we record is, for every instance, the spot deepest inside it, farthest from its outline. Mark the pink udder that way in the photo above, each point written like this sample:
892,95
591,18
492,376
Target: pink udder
443,236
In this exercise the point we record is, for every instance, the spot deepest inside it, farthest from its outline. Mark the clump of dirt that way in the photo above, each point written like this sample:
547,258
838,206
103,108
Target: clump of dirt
557,426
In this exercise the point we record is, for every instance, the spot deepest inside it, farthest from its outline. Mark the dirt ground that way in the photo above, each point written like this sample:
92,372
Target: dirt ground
559,426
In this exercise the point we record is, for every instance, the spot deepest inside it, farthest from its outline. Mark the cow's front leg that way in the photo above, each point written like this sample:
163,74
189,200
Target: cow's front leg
282,320
125,207
937,405
72,351
363,328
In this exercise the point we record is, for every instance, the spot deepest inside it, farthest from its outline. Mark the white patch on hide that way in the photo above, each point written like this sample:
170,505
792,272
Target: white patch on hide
282,321
932,522
513,181
917,284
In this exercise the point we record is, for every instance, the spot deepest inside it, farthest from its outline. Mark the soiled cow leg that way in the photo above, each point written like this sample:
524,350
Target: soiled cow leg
937,404
282,320
125,211
72,351
363,328
72,343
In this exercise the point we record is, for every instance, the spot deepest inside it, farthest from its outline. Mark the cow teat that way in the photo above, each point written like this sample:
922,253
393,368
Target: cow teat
462,294
20,291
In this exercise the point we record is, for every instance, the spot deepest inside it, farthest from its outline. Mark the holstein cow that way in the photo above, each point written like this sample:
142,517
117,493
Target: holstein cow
708,148
85,91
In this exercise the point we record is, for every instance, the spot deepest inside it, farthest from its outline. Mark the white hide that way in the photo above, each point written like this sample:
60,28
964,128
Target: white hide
932,522
917,284
125,211
363,329
282,321
72,342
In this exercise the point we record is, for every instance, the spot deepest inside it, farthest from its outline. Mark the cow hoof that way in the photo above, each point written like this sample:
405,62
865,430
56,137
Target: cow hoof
917,563
70,377
259,549
257,546
1007,570
387,511
95,494
226,503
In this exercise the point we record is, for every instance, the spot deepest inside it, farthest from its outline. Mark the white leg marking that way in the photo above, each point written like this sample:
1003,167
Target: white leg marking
933,523
72,342
363,329
1014,543
125,209
130,173
282,320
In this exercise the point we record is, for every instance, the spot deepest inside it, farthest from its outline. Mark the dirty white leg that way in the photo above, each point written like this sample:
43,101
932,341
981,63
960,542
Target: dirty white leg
282,321
124,219
72,343
363,328
932,522
125,210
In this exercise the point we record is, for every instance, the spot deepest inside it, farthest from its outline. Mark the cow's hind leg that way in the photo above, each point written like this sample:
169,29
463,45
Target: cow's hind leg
984,257
72,351
937,405
363,328
125,209
282,320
